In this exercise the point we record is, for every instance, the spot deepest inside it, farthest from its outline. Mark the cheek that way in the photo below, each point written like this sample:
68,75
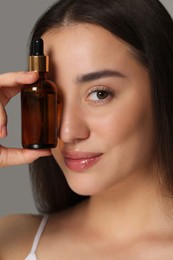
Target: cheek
125,121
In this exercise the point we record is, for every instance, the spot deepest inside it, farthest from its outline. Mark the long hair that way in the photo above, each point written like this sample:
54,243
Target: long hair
148,28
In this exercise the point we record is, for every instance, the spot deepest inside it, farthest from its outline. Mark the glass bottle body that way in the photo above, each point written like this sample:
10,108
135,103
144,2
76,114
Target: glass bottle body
39,114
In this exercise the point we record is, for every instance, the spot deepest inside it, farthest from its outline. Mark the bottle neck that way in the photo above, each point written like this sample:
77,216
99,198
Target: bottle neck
42,75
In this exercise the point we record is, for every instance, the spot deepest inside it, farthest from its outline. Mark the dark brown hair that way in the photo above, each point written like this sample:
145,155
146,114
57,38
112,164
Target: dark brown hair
148,28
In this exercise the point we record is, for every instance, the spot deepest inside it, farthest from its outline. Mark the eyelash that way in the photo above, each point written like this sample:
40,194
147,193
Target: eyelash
110,94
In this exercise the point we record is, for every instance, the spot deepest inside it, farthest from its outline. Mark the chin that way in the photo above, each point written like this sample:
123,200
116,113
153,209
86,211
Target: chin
84,184
84,191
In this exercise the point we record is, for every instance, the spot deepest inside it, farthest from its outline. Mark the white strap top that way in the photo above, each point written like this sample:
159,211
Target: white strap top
32,254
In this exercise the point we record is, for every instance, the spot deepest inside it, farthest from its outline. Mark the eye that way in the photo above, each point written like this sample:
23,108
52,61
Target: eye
100,94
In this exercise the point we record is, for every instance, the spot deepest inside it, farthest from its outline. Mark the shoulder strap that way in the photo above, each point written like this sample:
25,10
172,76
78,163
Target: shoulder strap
37,238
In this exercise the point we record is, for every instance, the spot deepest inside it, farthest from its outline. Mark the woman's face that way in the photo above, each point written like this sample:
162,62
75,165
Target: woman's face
105,116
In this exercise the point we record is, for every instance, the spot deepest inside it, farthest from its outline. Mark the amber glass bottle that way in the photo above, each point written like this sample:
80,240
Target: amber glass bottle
39,104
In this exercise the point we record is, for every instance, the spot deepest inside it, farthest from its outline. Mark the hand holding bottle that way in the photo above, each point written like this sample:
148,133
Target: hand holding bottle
10,85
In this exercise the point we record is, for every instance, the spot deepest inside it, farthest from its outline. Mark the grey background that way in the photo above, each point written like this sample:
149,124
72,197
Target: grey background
17,18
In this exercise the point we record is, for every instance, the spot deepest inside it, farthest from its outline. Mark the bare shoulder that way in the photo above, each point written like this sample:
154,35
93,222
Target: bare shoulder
16,235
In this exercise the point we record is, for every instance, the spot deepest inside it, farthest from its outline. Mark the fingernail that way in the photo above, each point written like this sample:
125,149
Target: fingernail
4,130
30,72
22,77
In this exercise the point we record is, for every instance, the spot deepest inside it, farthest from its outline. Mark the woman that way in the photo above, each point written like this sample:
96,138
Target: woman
107,187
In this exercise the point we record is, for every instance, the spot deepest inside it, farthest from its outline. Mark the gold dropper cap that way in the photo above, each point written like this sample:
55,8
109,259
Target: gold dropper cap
38,61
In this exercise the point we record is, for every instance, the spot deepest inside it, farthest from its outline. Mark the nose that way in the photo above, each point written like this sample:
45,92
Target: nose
72,125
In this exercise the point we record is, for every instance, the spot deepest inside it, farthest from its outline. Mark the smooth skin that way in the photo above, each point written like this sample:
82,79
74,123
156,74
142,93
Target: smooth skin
110,114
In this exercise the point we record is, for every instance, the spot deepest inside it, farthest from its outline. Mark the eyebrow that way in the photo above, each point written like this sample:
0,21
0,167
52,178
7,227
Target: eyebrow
99,75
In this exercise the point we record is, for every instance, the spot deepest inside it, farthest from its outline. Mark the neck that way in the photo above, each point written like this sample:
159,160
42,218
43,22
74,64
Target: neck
131,209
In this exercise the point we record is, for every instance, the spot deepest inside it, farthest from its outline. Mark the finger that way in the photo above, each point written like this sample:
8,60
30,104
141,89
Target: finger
13,79
3,121
14,156
11,83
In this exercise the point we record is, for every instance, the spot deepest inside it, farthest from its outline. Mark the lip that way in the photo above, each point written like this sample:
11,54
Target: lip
80,161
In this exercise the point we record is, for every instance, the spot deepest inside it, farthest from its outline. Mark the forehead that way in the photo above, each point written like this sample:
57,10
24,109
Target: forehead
82,48
82,37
